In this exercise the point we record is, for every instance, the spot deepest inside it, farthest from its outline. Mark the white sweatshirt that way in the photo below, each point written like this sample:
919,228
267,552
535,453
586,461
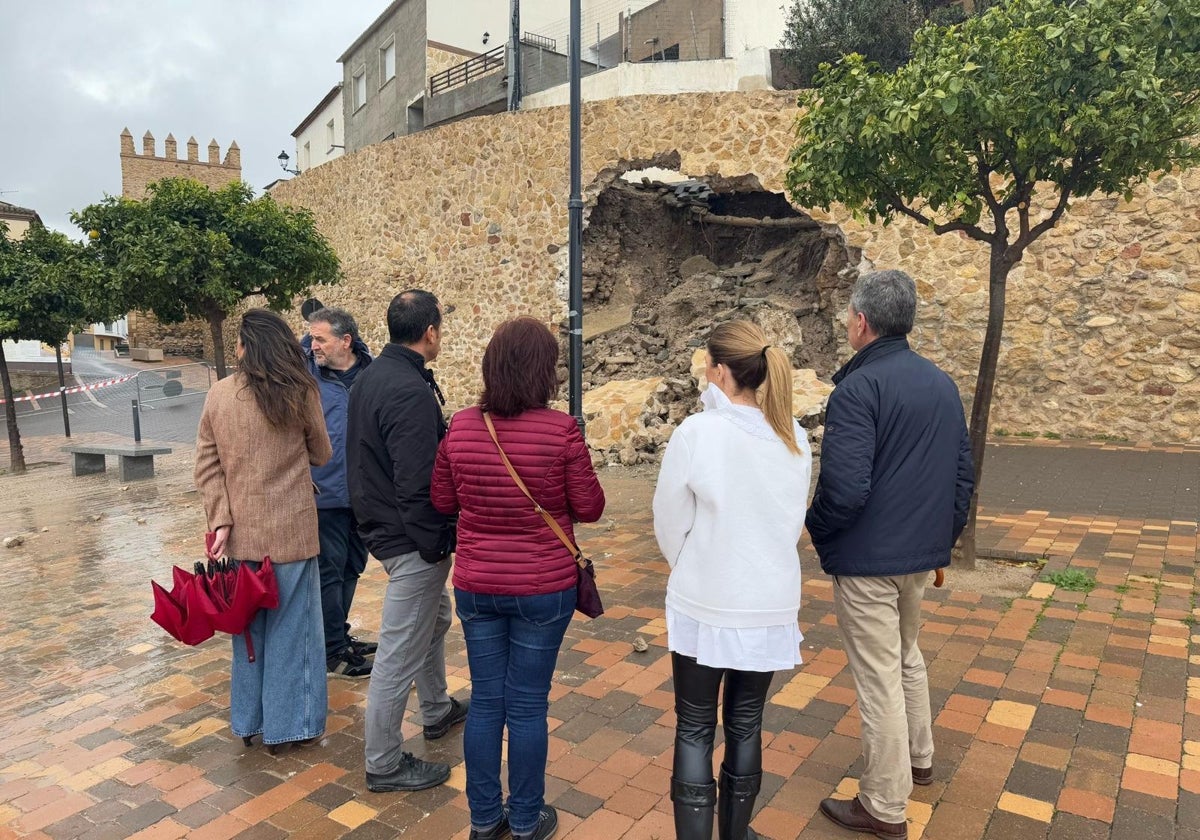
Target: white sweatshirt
728,512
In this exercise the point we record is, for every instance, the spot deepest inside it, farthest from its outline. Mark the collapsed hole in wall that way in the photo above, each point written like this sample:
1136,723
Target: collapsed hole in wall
666,257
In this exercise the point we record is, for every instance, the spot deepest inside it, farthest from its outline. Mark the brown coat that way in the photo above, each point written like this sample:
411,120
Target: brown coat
255,477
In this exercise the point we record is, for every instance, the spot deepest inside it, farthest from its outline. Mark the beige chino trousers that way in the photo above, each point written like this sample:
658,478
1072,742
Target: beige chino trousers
879,618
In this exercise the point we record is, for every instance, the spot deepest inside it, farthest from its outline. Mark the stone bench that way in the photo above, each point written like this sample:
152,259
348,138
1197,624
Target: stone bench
146,354
134,461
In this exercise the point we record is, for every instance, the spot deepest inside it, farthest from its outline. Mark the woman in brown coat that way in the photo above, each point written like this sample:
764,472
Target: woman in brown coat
260,431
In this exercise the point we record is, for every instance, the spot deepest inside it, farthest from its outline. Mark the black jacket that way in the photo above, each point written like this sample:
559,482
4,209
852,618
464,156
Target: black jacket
394,428
896,472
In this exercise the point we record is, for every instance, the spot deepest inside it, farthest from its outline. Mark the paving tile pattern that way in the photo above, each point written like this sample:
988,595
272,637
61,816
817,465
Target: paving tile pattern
1060,714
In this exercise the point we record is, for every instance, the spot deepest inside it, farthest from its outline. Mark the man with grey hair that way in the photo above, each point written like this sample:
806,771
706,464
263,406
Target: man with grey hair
336,355
895,485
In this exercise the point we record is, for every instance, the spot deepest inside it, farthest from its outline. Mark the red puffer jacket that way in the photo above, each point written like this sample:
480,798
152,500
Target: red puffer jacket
505,546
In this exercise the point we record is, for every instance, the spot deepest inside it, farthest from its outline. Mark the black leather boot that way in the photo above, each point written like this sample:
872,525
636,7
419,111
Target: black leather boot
736,804
693,809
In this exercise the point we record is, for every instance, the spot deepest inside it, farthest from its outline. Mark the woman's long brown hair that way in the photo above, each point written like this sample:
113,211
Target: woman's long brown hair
274,369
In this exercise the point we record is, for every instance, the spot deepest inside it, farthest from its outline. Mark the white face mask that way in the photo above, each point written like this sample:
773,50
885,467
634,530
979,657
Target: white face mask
713,398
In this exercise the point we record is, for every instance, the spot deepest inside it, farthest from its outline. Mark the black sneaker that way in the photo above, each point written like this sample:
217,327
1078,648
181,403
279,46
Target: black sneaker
547,825
412,774
457,714
348,664
362,647
497,832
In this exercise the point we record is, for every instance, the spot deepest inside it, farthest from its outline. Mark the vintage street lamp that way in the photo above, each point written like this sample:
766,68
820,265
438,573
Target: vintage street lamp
283,159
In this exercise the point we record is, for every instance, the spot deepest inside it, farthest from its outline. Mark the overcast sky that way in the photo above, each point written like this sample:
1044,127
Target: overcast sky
74,73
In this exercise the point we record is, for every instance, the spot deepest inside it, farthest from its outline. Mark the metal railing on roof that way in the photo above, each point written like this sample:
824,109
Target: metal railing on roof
469,70
535,40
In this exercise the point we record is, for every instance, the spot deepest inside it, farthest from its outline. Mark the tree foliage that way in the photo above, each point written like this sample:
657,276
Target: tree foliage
1034,99
188,251
821,31
49,288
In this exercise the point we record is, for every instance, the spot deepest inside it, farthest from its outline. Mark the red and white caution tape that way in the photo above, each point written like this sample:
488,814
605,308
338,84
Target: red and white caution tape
75,390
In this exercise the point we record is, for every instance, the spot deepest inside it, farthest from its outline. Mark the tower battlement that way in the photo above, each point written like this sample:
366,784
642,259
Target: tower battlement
146,167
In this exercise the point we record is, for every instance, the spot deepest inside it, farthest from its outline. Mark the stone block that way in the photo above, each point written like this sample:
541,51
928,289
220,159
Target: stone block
614,412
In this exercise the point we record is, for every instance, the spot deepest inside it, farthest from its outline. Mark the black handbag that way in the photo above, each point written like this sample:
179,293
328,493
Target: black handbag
587,599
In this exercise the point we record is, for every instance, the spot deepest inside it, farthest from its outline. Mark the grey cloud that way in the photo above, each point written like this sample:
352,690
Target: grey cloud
74,73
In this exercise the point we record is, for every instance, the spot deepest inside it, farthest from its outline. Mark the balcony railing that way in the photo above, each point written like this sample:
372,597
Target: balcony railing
469,70
541,41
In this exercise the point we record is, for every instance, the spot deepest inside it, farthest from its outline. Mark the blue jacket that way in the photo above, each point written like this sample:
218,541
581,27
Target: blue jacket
896,471
330,479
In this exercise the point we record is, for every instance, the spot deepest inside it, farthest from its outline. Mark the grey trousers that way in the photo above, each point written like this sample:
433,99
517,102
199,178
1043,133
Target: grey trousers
412,648
879,618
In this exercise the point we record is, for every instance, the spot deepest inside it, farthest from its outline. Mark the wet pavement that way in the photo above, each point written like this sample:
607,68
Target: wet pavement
1058,714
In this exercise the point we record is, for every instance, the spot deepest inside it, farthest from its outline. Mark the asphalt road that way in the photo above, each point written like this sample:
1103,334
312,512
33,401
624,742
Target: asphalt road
110,409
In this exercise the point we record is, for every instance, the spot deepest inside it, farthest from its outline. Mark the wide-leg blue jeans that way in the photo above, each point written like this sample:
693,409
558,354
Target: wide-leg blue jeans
282,695
512,648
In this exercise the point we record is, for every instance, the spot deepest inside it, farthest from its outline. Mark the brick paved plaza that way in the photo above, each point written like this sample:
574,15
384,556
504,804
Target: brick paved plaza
1058,714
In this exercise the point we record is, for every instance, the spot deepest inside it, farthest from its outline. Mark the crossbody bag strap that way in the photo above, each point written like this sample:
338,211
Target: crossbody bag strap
554,526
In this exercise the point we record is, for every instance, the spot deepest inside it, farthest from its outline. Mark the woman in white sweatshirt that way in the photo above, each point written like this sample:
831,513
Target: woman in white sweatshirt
728,512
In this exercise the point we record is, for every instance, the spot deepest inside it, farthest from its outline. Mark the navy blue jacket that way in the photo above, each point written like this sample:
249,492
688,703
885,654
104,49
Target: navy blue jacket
896,471
330,479
396,424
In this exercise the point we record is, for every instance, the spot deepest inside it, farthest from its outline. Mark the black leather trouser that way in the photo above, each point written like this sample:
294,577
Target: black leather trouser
696,689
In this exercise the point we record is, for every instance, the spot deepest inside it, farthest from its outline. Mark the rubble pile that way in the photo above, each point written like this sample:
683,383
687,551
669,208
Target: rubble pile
654,256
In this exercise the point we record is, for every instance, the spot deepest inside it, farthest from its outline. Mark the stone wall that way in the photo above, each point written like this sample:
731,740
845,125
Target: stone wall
1098,339
438,60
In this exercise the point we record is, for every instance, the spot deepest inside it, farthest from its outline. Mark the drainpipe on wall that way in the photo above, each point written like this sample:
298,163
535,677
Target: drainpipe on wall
514,55
575,241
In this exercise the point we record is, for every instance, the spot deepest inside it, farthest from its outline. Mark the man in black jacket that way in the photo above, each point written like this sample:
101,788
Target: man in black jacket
895,486
395,425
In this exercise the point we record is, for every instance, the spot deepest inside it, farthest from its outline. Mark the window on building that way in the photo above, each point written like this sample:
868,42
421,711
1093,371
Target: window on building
360,88
330,136
670,53
305,158
387,62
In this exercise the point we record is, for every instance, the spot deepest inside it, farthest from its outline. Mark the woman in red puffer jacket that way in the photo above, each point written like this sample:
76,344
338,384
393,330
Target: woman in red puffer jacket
514,580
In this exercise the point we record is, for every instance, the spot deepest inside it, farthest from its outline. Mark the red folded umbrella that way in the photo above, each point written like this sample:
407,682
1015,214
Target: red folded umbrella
232,593
180,612
225,596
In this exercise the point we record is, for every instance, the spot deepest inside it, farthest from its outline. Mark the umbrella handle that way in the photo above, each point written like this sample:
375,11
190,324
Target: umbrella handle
249,645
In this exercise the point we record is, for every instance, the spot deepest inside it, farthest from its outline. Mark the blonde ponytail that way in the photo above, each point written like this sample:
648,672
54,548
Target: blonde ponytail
742,347
775,397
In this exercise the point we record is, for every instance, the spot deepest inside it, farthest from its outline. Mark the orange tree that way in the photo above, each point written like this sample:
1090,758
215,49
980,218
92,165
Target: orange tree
1033,98
48,289
188,251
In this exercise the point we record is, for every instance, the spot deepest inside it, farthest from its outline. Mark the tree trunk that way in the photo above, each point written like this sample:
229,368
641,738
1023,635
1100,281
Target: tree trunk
981,405
16,452
216,324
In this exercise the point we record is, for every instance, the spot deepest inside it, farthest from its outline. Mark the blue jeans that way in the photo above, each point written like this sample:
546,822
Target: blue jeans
342,560
282,695
512,648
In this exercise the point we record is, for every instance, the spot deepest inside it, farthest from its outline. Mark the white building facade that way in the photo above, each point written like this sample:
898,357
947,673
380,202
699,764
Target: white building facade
321,137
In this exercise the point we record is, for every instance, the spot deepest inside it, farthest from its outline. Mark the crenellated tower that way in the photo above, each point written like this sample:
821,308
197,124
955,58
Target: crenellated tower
191,338
138,170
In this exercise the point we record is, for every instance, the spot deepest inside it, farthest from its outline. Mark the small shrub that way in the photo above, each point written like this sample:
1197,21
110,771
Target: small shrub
1072,580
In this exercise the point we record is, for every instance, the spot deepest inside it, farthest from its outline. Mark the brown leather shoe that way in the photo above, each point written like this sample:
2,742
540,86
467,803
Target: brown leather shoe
849,813
922,775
